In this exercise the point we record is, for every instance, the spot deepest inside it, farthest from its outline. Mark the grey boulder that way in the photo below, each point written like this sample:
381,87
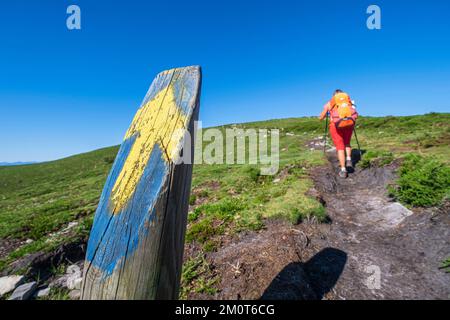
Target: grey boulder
24,291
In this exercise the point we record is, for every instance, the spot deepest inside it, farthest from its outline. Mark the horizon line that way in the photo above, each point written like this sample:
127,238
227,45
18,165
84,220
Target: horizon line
31,162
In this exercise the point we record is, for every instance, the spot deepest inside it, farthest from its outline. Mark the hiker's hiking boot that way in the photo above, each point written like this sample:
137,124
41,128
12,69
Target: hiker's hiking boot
343,173
349,164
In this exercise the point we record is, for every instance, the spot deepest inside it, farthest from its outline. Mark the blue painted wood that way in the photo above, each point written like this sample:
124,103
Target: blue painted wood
135,249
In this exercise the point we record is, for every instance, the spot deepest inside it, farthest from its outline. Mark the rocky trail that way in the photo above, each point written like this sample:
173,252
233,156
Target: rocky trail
392,253
372,248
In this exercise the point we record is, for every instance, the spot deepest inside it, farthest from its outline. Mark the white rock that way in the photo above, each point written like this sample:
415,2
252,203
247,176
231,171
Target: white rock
394,214
276,180
387,216
43,292
319,144
290,134
73,269
69,280
72,224
9,283
24,291
29,241
75,294
59,282
74,282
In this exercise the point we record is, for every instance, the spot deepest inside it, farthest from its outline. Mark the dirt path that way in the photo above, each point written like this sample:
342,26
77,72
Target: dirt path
372,249
392,253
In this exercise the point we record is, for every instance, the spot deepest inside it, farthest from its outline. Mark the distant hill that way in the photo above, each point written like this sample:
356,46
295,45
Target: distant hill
6,164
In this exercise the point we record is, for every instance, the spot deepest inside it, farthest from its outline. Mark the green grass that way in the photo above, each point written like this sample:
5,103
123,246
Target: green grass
446,265
40,199
216,217
426,134
376,158
423,181
243,198
197,277
57,293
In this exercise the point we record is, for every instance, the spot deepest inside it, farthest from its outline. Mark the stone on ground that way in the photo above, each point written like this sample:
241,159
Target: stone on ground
73,269
9,283
74,282
395,213
74,277
75,294
43,293
24,291
389,216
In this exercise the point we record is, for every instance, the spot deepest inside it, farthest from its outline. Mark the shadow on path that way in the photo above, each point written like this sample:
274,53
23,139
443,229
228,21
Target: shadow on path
308,281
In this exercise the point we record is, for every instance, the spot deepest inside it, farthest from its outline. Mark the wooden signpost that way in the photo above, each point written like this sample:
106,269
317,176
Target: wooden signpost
135,248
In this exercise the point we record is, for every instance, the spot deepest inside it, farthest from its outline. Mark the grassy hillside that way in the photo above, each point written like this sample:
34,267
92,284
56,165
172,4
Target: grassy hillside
40,199
37,202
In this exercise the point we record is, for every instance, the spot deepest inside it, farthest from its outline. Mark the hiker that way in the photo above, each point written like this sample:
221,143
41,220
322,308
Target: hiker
343,117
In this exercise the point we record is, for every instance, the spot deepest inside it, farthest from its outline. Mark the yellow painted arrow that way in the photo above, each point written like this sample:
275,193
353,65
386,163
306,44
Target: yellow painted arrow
154,123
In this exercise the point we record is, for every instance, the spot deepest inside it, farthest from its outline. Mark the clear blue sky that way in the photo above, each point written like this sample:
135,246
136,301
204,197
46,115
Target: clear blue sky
64,92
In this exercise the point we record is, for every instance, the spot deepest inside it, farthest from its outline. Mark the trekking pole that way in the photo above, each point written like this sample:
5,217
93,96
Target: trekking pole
325,136
359,146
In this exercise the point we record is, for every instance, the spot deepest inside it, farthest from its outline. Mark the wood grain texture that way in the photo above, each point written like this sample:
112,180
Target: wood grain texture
135,249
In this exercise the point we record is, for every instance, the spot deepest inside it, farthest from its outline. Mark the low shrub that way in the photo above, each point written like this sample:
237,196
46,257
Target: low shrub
423,182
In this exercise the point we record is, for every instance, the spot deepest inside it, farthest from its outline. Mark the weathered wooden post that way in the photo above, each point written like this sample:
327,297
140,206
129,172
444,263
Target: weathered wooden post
135,249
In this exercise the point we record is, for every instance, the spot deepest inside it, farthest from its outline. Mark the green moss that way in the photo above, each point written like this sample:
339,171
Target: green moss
201,231
193,215
216,217
210,245
293,205
203,193
224,209
249,220
192,199
198,277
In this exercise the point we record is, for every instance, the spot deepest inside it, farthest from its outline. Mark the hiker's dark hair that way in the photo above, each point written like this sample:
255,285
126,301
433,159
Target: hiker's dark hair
338,91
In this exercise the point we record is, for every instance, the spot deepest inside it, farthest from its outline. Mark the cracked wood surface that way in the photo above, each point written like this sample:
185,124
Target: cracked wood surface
136,244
